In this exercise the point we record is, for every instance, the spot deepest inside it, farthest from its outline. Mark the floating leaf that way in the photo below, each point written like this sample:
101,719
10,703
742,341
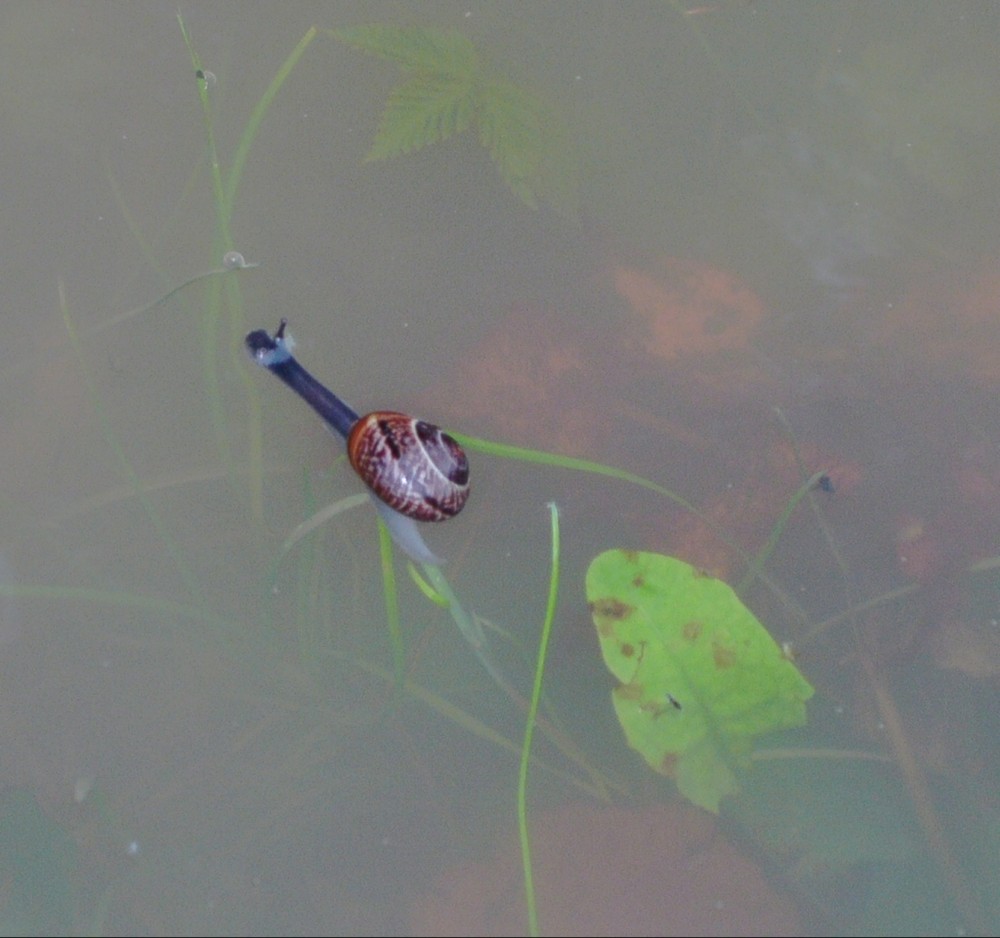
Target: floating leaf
700,676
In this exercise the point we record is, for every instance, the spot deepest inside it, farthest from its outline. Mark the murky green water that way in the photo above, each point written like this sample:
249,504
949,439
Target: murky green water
781,262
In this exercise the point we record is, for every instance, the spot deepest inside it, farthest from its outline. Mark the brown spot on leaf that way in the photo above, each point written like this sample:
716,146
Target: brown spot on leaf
639,581
627,649
630,691
611,608
691,630
631,556
724,656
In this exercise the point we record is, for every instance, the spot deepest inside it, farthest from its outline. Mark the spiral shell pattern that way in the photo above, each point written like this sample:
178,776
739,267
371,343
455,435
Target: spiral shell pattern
412,465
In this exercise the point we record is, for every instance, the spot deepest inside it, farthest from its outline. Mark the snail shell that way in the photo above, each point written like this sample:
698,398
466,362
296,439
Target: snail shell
411,465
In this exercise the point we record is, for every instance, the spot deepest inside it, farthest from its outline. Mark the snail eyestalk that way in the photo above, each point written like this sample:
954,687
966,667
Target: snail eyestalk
275,354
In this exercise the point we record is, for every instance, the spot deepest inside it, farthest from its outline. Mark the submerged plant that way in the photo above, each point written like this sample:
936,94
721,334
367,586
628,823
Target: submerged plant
450,89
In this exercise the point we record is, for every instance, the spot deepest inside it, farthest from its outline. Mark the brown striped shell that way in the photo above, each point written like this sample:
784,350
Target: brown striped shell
413,466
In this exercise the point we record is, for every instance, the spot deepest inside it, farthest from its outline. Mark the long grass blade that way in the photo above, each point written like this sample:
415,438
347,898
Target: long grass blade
529,729
390,596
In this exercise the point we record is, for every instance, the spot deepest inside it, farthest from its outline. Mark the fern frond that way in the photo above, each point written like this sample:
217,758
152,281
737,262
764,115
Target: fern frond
444,52
448,89
423,111
512,127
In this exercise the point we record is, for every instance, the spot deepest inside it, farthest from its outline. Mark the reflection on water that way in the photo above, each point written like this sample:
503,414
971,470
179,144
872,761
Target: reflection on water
824,203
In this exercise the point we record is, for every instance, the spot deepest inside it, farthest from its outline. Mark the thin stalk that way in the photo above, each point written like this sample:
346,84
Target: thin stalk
966,903
764,554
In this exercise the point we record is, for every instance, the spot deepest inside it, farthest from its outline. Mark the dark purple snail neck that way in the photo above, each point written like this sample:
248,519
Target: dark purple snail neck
275,354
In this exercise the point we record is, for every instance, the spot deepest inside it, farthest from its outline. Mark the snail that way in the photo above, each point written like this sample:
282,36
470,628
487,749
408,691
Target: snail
415,470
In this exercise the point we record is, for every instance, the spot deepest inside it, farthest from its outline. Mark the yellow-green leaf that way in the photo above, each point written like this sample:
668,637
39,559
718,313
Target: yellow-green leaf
700,676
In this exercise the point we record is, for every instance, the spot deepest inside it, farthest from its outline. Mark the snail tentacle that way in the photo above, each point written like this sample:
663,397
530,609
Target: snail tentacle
275,354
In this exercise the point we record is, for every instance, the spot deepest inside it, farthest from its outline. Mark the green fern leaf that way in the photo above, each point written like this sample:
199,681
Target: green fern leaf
445,52
529,146
423,111
448,90
512,127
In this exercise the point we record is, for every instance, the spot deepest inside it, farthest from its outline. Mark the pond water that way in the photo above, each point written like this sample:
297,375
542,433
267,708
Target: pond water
764,250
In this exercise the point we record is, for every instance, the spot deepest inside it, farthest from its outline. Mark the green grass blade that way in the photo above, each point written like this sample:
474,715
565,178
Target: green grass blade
764,554
319,518
223,207
557,461
543,458
224,194
259,112
472,724
467,624
390,596
529,729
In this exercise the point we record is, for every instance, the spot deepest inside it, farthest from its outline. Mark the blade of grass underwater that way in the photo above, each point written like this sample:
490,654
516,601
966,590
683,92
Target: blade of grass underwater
224,193
437,589
119,318
529,729
764,554
222,205
575,464
541,457
186,574
117,599
317,519
307,599
301,531
475,726
471,630
910,766
235,297
148,253
222,243
173,480
390,596
432,594
258,114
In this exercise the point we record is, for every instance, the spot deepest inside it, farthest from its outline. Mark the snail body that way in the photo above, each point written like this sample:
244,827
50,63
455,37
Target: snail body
413,467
